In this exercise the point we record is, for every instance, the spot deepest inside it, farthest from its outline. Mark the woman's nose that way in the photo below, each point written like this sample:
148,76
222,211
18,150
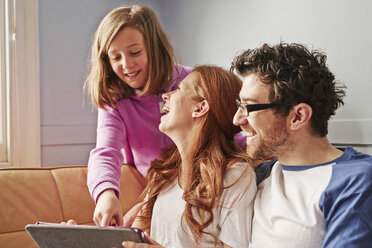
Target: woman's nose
239,118
165,96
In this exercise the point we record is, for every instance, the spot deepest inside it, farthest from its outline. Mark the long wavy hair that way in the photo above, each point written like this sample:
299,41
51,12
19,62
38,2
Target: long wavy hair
212,150
104,86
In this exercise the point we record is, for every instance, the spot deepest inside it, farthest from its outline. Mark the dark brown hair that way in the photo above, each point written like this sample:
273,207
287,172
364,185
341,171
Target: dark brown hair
296,75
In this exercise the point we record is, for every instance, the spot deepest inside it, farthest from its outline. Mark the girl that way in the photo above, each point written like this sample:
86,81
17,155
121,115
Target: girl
132,64
200,191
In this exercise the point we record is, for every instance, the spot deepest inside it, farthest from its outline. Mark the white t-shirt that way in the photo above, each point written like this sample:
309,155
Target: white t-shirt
324,205
232,216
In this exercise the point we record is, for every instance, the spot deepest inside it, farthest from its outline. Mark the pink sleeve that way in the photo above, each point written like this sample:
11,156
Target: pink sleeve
240,140
180,72
104,166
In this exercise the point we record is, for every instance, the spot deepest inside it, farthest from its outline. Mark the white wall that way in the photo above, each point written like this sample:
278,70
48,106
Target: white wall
214,31
68,120
208,31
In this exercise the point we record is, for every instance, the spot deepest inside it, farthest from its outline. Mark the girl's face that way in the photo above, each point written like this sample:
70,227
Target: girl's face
128,57
179,107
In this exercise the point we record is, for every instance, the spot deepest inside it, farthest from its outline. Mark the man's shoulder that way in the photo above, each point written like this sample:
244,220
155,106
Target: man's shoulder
351,173
353,162
263,170
348,199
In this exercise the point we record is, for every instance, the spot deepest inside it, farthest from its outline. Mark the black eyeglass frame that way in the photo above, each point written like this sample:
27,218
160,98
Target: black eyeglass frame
256,107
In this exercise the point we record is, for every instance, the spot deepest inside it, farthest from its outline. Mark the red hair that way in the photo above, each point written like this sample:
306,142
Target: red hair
212,150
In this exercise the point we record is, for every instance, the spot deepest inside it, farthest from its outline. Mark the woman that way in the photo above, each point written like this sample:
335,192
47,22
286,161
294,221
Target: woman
200,191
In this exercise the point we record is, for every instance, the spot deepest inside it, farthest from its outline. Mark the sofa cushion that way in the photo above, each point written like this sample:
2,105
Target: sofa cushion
53,194
26,197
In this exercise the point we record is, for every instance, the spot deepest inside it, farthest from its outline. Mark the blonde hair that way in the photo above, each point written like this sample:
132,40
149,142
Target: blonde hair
211,151
105,88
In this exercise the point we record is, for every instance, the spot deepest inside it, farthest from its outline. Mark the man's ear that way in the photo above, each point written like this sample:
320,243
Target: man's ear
300,116
201,109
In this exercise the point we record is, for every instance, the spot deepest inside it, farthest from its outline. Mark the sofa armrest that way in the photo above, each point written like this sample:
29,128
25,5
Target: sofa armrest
52,194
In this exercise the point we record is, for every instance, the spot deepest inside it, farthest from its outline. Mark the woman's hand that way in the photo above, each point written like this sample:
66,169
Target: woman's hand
70,222
108,210
131,215
152,244
130,244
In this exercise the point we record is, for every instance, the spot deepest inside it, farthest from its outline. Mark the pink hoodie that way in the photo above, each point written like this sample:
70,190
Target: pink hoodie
130,130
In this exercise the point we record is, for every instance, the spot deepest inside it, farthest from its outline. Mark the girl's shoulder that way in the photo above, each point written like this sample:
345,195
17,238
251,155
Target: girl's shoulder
182,70
179,73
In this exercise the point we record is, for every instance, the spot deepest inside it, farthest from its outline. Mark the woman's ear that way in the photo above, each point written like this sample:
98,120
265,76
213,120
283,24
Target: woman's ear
300,116
201,109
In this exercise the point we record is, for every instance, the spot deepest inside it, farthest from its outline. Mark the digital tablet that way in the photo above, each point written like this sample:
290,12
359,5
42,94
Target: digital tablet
48,235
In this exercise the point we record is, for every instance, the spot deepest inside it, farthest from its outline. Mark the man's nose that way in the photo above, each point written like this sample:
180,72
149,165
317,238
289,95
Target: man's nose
239,118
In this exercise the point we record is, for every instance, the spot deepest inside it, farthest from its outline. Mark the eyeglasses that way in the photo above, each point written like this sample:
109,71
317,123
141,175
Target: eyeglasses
247,108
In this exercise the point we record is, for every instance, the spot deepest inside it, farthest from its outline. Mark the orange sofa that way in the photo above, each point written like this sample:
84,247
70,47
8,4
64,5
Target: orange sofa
53,194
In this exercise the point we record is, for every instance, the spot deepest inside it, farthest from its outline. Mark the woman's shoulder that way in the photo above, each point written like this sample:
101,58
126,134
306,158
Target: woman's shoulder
239,172
239,186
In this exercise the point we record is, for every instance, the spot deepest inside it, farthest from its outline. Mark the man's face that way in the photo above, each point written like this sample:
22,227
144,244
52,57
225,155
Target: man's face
266,131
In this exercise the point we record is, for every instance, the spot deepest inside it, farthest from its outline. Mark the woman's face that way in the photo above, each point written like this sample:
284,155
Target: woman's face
128,57
179,106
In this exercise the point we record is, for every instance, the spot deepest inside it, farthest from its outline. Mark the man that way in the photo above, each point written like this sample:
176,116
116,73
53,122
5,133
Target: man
316,195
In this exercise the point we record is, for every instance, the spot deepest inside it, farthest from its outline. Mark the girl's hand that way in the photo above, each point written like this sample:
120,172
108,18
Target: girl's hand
130,216
152,244
108,210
